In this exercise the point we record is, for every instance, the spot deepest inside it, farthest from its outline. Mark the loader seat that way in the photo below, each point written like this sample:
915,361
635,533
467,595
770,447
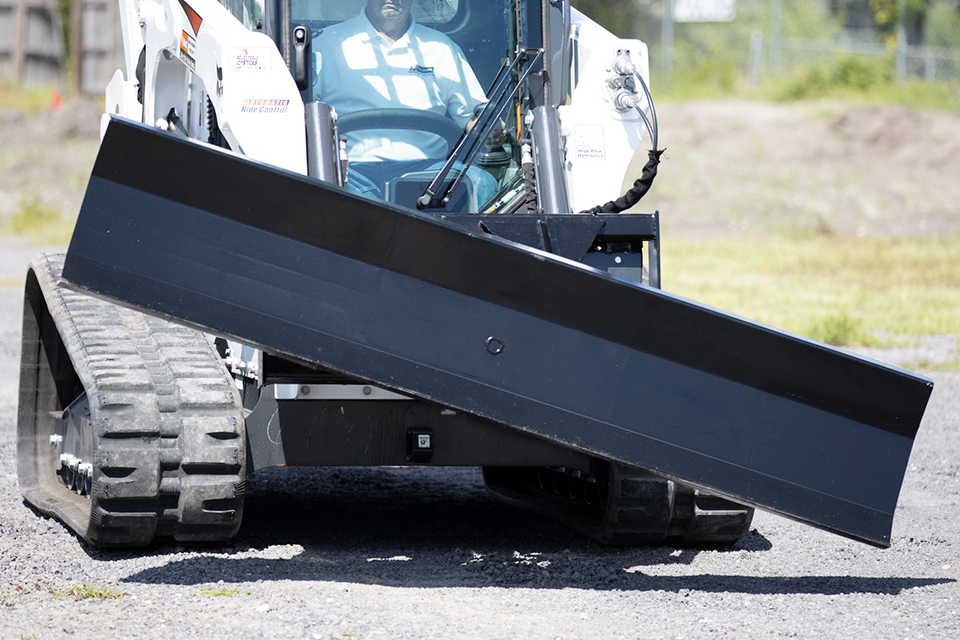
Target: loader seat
384,171
479,27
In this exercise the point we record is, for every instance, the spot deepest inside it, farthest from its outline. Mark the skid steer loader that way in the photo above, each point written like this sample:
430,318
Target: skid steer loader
229,302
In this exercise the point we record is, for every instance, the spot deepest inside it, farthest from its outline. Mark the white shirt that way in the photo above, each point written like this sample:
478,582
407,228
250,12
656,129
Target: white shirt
358,69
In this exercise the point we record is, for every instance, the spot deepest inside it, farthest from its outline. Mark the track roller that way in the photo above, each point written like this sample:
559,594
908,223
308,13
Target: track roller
627,507
129,427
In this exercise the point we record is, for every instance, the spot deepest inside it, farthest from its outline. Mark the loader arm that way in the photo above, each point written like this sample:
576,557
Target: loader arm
204,74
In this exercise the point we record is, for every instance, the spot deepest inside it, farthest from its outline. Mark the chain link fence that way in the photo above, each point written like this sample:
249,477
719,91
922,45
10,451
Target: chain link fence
902,39
766,38
919,43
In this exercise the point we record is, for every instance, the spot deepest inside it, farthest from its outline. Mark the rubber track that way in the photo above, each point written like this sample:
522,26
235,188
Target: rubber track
638,507
169,441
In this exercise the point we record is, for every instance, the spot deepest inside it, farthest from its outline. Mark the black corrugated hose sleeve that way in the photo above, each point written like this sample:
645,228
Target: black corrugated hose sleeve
639,189
530,184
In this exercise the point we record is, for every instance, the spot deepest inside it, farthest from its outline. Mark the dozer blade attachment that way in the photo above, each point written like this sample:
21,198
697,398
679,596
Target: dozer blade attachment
482,325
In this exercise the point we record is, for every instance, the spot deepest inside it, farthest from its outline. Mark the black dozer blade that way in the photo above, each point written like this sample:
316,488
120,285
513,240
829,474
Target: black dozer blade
482,325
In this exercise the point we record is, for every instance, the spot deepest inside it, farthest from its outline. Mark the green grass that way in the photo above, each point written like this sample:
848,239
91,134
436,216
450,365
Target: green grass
852,78
222,592
844,291
86,591
860,79
709,79
927,365
29,100
40,222
34,218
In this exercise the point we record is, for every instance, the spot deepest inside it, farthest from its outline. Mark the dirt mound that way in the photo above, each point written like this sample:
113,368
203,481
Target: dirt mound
47,157
915,139
76,118
827,168
730,167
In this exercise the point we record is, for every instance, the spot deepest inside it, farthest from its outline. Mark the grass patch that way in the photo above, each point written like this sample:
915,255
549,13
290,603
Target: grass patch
27,99
221,592
860,79
840,330
708,79
40,222
927,365
845,291
86,591
847,77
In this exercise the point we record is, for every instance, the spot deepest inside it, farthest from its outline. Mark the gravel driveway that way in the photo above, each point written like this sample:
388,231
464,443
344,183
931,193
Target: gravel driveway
426,553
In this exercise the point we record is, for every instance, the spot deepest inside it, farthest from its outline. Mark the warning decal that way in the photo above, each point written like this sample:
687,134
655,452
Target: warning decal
192,16
188,50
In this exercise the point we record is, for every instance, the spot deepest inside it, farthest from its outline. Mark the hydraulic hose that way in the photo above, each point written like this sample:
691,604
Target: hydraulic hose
529,180
639,189
642,184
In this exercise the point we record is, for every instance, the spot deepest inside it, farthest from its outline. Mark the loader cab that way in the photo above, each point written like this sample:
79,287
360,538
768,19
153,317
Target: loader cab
481,28
251,13
492,34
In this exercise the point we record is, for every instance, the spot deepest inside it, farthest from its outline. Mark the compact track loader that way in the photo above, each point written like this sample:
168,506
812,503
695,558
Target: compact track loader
227,303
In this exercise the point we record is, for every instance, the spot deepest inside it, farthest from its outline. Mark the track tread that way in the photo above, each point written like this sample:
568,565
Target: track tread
162,404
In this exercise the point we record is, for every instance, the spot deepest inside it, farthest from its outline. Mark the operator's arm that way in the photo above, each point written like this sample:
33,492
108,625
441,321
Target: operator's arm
464,93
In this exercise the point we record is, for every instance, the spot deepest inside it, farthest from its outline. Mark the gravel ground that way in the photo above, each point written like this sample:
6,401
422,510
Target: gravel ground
426,553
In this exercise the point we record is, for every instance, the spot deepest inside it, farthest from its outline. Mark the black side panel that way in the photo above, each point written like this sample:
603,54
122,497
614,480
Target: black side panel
496,329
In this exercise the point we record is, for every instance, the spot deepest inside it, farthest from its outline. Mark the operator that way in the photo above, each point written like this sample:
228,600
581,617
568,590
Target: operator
383,59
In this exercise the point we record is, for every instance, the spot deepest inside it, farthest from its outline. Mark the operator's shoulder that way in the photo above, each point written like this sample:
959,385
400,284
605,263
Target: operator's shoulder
340,30
432,36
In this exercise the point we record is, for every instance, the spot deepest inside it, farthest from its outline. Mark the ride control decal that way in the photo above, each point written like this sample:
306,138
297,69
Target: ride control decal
192,16
259,105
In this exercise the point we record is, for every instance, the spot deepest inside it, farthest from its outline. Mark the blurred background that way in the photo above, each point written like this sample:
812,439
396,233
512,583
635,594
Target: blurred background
777,49
795,49
810,179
